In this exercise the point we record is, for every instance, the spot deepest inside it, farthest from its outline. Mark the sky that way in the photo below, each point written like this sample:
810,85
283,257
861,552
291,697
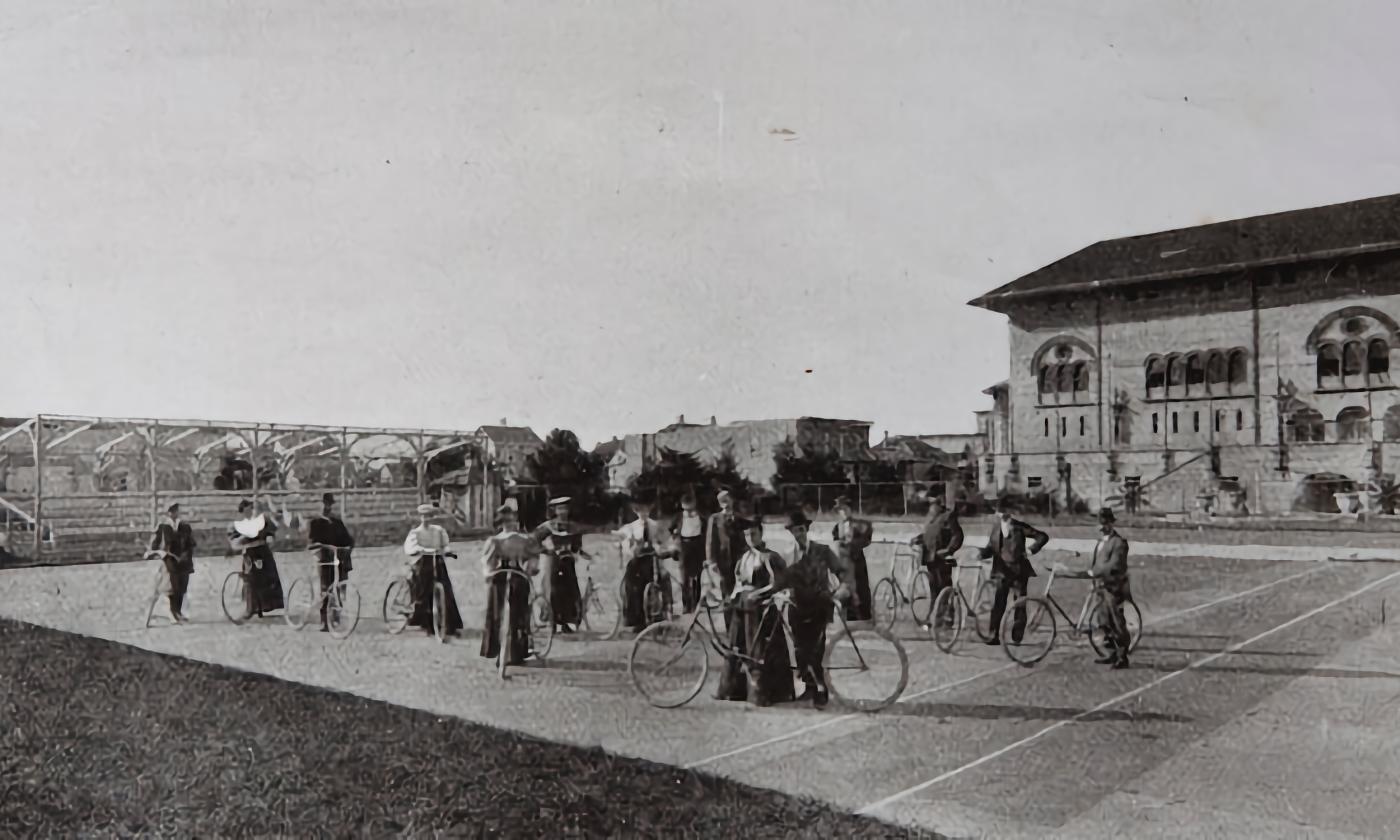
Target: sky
601,216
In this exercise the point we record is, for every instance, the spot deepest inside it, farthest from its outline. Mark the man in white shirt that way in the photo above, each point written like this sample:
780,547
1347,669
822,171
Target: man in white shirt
688,529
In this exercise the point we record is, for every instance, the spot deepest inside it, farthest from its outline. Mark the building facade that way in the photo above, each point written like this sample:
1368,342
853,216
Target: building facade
1256,351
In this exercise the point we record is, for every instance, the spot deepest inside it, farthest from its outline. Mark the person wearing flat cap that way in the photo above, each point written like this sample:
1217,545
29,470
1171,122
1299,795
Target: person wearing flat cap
333,543
429,543
852,536
563,543
175,540
252,534
808,579
1011,567
1111,566
508,548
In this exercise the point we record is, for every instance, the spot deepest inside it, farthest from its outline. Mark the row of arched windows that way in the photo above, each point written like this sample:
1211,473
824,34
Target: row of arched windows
1353,423
1198,374
1066,382
1354,364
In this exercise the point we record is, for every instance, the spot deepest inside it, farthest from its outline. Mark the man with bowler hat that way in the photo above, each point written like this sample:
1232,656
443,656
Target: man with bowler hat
941,538
1111,566
808,580
175,538
333,539
1011,567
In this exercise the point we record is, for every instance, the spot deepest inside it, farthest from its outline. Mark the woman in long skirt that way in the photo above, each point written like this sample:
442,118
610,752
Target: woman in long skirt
563,543
852,537
639,538
508,549
429,542
252,534
757,631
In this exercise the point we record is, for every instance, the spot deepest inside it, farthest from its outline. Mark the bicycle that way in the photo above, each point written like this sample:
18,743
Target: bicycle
658,594
503,621
952,609
1040,620
888,595
866,650
341,601
399,604
231,596
162,582
591,603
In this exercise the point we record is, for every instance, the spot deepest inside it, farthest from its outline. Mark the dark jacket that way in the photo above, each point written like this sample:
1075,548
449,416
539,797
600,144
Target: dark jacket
942,537
178,541
862,532
724,546
331,530
1009,557
808,577
1111,558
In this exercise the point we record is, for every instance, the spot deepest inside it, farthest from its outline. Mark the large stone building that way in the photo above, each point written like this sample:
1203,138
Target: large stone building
1257,350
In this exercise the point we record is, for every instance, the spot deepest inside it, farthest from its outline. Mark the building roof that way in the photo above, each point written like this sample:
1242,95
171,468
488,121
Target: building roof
607,449
1334,230
909,448
511,434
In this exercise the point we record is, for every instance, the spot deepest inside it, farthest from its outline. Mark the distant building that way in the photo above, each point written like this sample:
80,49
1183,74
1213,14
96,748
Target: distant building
510,447
752,443
1257,351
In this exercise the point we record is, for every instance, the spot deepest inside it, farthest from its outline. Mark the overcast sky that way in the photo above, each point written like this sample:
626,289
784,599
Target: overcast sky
600,216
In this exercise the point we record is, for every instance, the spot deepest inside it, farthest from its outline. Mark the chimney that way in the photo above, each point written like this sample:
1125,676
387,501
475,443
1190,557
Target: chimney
712,421
503,422
680,421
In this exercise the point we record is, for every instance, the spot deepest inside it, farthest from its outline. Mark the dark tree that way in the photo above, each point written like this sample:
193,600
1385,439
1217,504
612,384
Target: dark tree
806,468
564,468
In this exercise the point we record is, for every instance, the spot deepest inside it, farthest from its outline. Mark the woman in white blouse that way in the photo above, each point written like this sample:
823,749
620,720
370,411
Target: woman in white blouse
429,543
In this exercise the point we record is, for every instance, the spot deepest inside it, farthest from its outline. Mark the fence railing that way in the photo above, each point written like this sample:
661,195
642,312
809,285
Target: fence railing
909,498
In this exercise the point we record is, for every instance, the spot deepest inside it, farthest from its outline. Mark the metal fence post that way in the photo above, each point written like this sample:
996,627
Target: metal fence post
38,438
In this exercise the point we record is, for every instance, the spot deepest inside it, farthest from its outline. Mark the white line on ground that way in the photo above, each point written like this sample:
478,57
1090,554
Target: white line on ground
1128,695
796,733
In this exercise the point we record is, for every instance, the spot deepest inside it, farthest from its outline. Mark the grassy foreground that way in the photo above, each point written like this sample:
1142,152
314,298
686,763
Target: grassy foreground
101,739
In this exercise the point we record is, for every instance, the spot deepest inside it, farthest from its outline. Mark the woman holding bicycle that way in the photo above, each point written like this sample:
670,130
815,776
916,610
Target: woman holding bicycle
757,630
429,542
509,549
252,534
563,542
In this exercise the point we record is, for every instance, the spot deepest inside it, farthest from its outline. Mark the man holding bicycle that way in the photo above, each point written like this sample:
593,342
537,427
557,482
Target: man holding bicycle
1011,567
175,539
1111,566
329,532
808,580
940,541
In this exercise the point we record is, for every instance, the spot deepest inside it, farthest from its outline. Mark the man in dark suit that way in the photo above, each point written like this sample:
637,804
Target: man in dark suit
175,538
808,580
724,542
1111,566
1011,567
329,532
940,541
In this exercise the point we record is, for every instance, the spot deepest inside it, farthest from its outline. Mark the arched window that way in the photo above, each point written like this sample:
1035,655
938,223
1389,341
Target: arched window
1329,366
1217,372
1353,365
1239,372
1176,376
1081,379
1047,381
1353,424
1156,377
1378,363
1066,380
1195,374
1307,426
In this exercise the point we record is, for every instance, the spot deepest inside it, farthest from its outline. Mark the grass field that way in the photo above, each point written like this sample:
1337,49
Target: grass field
101,739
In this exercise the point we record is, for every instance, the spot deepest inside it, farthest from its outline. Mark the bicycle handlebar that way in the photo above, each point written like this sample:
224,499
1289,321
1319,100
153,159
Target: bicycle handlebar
153,553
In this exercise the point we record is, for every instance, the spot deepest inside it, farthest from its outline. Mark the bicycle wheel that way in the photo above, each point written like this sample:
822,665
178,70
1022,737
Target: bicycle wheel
1098,637
669,663
1039,634
398,605
921,597
866,668
653,603
982,601
541,627
884,606
440,612
946,622
301,602
158,590
231,597
342,609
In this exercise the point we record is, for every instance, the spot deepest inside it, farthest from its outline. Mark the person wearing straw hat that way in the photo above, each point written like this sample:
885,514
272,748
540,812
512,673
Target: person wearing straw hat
429,542
329,532
508,548
174,538
852,537
252,534
1110,565
562,542
808,579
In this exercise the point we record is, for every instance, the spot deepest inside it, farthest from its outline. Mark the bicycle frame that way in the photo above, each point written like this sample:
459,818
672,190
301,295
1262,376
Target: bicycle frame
1082,626
892,577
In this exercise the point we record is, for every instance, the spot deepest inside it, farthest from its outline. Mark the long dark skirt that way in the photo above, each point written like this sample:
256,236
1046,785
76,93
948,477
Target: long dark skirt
564,596
263,591
859,608
692,566
427,571
519,594
754,629
639,573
